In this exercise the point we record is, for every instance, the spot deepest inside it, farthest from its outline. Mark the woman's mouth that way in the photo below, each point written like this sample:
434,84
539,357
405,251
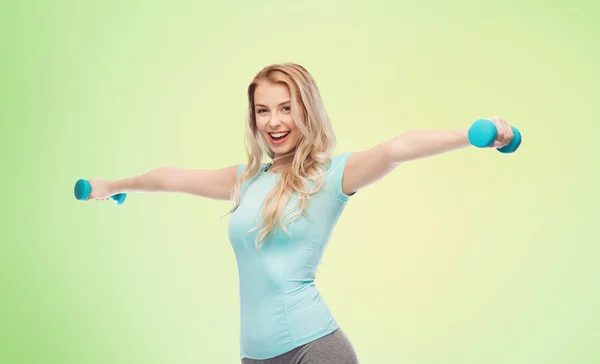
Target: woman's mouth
278,138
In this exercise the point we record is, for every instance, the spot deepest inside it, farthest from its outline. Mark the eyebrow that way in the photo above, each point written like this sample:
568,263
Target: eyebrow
285,102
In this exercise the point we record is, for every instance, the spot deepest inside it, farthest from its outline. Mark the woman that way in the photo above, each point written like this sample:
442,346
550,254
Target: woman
284,211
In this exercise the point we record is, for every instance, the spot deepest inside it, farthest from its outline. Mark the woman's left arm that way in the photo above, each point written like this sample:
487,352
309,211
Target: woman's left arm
366,167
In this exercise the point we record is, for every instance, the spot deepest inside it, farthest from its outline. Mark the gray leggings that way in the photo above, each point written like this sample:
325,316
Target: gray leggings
334,348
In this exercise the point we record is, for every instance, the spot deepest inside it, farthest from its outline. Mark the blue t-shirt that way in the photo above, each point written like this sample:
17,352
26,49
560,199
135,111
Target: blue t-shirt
281,308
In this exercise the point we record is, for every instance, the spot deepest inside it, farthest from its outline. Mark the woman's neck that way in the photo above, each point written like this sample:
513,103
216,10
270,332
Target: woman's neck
272,168
280,163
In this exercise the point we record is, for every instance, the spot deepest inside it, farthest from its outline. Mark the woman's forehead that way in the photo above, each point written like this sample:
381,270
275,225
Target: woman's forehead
271,94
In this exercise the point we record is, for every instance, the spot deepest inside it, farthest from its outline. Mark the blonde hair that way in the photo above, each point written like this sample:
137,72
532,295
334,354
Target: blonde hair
312,152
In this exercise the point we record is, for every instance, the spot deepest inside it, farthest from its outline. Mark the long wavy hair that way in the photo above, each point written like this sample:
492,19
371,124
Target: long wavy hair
310,156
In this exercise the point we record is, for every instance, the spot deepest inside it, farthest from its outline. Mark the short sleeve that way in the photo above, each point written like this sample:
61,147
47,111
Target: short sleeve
240,170
335,175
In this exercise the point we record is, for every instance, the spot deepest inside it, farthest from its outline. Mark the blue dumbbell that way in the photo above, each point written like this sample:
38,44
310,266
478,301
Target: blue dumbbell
83,190
483,133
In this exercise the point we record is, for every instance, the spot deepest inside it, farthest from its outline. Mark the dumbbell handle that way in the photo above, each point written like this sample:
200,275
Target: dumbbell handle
83,188
483,133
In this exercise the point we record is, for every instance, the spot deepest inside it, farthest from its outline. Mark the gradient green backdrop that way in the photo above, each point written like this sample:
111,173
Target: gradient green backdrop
469,257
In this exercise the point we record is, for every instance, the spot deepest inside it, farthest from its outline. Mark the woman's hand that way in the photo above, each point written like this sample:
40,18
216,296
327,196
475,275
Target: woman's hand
101,189
505,133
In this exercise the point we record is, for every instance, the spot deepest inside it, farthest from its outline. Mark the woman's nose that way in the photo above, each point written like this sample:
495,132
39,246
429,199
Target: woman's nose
274,120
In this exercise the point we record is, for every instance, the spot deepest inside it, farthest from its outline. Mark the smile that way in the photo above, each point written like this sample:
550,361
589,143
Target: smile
278,138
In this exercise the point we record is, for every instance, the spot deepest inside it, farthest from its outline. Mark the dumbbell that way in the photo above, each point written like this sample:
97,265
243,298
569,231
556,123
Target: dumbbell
483,133
83,188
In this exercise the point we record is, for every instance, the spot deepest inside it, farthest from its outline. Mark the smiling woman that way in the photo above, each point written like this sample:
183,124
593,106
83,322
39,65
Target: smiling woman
284,211
287,121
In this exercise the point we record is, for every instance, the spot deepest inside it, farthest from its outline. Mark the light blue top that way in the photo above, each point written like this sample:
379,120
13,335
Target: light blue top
281,308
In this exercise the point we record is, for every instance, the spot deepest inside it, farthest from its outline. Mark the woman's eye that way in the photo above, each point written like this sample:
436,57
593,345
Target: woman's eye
285,108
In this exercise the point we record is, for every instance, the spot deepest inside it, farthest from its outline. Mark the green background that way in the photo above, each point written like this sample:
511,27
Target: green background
469,257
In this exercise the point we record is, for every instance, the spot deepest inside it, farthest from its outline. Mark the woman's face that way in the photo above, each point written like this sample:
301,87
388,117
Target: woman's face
272,107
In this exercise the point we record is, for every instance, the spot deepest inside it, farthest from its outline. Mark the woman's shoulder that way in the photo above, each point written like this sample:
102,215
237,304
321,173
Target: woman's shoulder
242,166
338,161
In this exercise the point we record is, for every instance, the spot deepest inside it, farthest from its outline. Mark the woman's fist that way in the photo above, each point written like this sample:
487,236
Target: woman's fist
505,132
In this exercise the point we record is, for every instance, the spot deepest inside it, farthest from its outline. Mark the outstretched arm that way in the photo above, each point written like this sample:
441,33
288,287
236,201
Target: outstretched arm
366,167
209,183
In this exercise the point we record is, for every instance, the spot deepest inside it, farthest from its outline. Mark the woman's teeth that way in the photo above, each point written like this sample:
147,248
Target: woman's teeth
278,137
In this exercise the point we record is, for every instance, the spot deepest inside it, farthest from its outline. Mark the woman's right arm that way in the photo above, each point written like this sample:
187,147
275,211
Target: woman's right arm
215,184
